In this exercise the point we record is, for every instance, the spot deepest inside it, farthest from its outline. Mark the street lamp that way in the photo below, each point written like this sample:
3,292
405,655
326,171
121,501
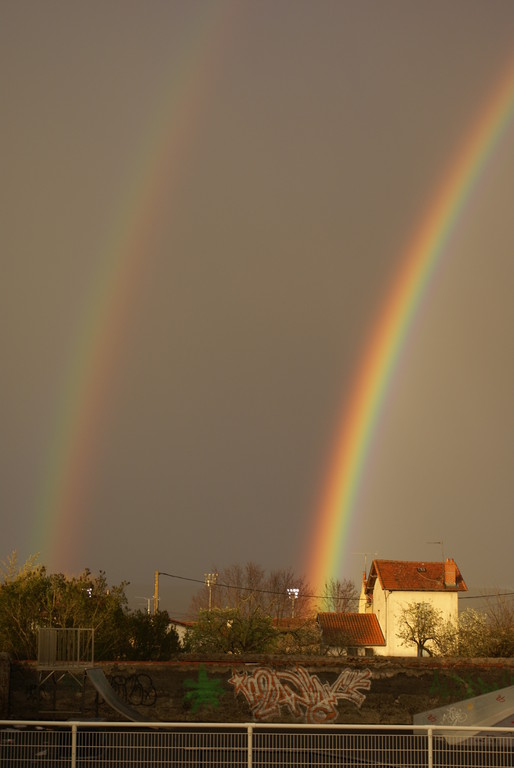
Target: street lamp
293,593
147,600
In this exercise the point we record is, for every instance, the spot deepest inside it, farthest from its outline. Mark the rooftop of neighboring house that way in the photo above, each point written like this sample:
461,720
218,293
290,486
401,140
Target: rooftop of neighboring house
357,629
181,626
415,576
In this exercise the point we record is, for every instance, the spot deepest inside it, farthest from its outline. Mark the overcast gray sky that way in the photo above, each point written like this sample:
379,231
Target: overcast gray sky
203,206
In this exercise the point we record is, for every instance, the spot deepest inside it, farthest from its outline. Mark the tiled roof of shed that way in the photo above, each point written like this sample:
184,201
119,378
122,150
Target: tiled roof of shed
413,576
350,628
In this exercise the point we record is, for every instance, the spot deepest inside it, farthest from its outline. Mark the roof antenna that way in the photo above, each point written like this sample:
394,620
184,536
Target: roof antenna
365,554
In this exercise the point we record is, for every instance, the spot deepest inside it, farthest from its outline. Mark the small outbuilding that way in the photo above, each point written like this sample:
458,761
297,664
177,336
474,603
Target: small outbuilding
350,634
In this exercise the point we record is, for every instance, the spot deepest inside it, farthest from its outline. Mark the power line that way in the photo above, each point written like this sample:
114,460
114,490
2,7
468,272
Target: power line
483,597
315,597
232,586
241,589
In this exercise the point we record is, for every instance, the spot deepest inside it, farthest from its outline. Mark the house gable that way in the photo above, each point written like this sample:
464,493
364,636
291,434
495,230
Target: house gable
415,576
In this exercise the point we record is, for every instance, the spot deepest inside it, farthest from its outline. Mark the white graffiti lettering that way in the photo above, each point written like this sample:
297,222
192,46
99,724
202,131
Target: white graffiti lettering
454,716
269,691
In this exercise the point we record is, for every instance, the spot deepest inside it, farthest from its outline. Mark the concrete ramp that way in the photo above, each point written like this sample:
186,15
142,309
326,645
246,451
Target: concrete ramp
109,695
495,709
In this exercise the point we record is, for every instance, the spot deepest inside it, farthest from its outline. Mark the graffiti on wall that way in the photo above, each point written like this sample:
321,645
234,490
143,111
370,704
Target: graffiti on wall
203,692
454,716
134,689
270,692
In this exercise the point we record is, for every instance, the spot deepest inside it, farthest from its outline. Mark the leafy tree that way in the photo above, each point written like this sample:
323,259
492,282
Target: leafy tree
230,630
446,642
339,596
419,624
31,598
477,634
22,597
151,638
467,636
88,601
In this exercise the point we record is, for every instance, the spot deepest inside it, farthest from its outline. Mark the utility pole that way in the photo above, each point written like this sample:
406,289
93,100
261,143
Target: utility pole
156,593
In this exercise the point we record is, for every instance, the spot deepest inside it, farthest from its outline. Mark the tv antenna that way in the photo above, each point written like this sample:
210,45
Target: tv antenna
365,555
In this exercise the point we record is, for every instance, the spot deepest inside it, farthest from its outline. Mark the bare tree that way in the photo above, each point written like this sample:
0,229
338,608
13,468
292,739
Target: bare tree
279,594
500,615
339,596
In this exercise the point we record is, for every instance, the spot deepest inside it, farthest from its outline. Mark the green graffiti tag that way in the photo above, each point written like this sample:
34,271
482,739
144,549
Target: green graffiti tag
203,692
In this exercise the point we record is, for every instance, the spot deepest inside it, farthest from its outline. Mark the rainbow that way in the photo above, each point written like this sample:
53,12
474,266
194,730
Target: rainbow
61,499
361,412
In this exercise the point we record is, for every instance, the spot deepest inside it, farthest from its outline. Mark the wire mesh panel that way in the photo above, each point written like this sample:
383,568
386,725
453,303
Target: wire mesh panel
110,745
278,749
472,749
35,747
178,747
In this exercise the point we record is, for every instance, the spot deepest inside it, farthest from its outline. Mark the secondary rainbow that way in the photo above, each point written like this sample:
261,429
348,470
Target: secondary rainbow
61,502
361,412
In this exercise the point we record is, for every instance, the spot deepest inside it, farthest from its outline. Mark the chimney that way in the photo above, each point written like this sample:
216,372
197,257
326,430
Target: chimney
450,573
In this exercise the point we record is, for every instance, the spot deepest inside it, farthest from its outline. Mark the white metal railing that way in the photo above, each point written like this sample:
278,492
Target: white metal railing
190,745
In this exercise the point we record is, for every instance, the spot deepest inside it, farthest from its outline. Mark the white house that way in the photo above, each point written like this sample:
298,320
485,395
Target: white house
392,584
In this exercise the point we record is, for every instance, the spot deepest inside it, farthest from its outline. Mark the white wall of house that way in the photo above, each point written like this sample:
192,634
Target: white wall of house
181,629
389,606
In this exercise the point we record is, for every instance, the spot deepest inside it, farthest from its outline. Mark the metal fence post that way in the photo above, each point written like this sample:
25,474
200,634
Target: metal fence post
74,745
430,745
249,730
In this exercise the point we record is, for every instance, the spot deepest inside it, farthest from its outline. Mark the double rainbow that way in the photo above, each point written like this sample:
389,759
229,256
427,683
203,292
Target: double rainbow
361,412
62,495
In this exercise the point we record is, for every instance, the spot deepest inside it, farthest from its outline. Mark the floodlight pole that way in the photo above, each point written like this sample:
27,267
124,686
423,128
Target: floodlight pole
293,593
210,581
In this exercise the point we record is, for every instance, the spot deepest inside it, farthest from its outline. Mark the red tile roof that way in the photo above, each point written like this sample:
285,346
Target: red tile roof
415,576
180,623
350,629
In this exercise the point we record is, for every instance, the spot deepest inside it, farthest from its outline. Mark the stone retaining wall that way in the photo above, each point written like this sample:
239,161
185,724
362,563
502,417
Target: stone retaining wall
5,668
280,689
